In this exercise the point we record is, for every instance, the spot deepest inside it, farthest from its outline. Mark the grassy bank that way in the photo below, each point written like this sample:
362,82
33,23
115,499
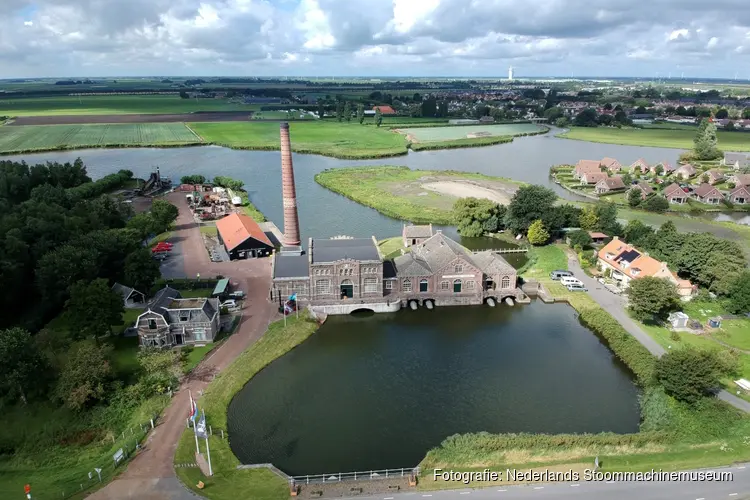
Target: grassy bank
228,482
655,137
460,143
397,191
251,209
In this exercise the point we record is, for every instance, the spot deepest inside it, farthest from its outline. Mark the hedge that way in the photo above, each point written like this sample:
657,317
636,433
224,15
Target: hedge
101,186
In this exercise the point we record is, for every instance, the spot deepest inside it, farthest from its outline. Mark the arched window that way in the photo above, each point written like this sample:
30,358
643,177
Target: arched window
322,286
456,286
406,286
505,283
371,285
445,285
423,285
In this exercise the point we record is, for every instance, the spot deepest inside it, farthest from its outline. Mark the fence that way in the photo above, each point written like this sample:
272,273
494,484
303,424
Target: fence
356,476
503,250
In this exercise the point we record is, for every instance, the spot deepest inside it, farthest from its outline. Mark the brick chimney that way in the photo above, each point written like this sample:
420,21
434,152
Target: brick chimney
289,193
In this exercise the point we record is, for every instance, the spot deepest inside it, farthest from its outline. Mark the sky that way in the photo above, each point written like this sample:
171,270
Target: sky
316,38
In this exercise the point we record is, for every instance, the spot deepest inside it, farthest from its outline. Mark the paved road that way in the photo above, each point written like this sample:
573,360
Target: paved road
615,305
737,489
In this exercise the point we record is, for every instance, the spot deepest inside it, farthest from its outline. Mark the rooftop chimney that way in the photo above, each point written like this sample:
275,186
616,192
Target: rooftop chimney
289,193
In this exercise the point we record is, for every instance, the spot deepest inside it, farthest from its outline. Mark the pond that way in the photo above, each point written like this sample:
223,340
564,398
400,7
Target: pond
378,392
325,214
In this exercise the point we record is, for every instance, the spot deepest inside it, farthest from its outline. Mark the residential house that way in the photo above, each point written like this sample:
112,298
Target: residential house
666,168
626,263
171,320
130,296
737,161
242,237
740,195
597,238
609,184
384,110
611,164
640,165
685,171
739,179
706,193
714,175
675,194
415,235
586,167
592,177
644,188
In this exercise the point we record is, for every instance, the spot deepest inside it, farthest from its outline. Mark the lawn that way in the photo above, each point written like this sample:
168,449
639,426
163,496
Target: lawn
429,134
544,260
391,247
209,230
56,137
339,140
656,137
196,355
113,105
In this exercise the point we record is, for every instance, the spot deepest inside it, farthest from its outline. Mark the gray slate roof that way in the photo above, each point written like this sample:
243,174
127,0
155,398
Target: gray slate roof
164,297
340,249
211,307
491,263
411,265
123,290
733,157
289,265
412,231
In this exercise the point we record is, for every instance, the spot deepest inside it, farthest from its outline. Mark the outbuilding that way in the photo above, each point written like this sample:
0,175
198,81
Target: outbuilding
242,237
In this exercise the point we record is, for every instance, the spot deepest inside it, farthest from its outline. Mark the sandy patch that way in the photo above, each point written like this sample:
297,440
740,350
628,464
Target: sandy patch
467,190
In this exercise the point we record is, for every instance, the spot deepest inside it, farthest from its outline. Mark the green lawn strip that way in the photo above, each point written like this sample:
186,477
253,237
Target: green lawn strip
160,237
228,482
460,143
391,247
655,137
196,355
250,209
196,293
209,230
544,260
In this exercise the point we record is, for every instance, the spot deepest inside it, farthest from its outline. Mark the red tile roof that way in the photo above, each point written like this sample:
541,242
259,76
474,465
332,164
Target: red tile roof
236,228
386,110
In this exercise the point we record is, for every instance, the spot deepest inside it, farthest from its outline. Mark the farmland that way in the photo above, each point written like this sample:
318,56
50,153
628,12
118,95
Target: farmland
53,137
435,134
656,137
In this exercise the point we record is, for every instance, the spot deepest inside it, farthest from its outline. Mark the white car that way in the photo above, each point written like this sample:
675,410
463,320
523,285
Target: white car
229,304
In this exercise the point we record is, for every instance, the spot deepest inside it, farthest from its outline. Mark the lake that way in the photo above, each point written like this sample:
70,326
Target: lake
378,392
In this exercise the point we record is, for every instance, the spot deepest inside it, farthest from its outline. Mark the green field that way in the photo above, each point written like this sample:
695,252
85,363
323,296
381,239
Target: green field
113,105
340,140
52,137
434,134
656,137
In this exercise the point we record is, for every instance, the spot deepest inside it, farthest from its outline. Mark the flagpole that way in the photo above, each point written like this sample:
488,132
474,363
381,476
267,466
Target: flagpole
193,407
208,453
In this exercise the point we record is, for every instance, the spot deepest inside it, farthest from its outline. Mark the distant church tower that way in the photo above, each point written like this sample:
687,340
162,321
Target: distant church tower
289,193
510,73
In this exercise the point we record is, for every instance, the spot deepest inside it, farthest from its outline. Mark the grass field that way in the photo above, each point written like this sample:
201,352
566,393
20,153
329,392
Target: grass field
656,137
412,195
113,105
53,137
340,140
432,134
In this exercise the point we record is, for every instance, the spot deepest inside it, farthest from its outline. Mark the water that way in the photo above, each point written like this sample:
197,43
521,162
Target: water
378,392
325,214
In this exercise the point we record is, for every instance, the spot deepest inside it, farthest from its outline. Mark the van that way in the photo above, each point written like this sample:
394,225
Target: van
577,288
570,280
556,275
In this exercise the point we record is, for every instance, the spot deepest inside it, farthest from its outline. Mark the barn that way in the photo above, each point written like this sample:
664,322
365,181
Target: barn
242,237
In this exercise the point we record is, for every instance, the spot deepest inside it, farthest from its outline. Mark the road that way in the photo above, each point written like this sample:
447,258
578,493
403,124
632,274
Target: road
151,475
737,489
615,305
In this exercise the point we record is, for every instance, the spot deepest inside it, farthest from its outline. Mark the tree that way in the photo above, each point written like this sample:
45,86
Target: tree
562,122
586,118
184,95
84,377
538,234
429,107
722,113
348,111
729,126
360,113
161,370
689,374
141,270
634,197
658,169
321,109
560,217
606,218
640,110
528,204
22,366
681,111
229,183
553,113
59,269
477,216
588,219
637,233
378,117
93,308
652,299
739,294
746,113
579,238
163,213
705,142
621,118
656,204
339,110
627,179
192,179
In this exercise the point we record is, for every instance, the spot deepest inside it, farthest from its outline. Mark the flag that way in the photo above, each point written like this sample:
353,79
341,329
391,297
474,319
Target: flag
288,309
193,409
293,296
200,428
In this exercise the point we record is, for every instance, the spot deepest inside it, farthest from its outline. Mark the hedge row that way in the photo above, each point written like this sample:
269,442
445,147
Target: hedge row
101,186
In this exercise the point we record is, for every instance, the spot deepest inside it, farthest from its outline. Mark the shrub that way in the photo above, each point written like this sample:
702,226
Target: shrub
689,374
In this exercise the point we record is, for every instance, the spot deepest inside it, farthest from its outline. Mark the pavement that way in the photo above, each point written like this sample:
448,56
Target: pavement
736,489
615,305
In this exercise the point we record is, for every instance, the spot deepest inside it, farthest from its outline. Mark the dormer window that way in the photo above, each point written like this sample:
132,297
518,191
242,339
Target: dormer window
609,255
152,324
635,271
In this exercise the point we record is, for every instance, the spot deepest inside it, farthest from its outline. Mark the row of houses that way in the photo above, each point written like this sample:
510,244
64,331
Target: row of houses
708,194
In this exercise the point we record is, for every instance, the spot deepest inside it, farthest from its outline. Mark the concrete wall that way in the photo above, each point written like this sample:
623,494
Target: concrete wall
378,307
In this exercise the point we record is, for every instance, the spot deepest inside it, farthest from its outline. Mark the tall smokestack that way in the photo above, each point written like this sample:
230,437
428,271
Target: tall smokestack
291,219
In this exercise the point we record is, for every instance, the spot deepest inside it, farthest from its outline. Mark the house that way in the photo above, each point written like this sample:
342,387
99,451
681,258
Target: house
644,188
597,238
666,168
171,321
609,184
706,193
714,175
611,164
586,166
685,171
242,237
739,179
592,177
415,235
130,296
640,165
626,263
678,319
675,194
736,160
740,195
384,110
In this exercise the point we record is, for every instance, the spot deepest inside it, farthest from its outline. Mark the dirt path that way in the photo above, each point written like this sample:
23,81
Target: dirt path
151,474
466,190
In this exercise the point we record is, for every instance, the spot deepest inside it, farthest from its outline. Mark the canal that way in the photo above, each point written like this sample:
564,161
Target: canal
379,391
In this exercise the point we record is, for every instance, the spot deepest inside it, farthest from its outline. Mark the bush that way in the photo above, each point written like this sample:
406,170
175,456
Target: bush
101,186
689,374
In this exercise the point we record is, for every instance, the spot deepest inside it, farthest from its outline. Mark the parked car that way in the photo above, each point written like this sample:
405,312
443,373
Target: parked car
229,304
556,275
577,288
570,280
601,280
238,294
